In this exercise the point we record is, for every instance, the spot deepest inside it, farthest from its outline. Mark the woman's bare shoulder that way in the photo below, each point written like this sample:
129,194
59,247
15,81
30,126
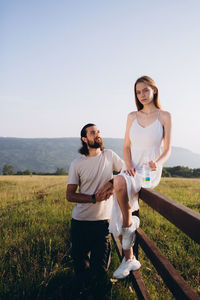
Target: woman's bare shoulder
165,116
132,115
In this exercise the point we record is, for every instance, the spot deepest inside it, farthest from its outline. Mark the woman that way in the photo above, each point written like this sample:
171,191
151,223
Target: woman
146,130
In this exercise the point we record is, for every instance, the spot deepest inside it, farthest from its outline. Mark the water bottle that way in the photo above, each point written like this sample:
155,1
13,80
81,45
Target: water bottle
146,175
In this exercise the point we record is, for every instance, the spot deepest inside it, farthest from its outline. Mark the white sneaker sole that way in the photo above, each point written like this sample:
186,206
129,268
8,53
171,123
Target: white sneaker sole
124,275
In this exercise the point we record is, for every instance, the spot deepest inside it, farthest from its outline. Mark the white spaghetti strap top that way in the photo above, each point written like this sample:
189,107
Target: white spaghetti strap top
145,141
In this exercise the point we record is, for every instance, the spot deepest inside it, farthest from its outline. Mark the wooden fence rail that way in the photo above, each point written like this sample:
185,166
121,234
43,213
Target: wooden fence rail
182,217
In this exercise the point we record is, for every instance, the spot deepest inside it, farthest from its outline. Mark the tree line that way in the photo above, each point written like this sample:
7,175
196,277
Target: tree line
178,171
9,170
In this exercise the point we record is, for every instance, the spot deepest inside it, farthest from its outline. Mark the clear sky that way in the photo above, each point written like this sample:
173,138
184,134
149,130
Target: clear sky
66,63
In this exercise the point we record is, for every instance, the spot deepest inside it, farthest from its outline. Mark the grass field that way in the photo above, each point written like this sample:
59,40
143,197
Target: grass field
35,244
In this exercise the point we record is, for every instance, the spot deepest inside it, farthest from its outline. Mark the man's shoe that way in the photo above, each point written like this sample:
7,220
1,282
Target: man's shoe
129,235
126,266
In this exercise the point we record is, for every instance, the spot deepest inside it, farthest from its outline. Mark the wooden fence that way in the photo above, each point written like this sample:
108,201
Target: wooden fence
182,217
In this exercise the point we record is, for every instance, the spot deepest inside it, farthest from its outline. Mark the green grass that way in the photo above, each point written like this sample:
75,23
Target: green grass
35,248
181,251
185,191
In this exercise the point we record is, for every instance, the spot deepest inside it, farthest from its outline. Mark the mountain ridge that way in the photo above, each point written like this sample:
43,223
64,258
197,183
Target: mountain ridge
47,154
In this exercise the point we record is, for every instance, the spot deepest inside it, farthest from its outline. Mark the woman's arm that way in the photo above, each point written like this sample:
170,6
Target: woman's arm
127,146
165,119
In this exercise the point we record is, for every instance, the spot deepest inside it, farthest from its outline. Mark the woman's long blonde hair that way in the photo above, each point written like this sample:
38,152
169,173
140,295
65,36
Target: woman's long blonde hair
150,82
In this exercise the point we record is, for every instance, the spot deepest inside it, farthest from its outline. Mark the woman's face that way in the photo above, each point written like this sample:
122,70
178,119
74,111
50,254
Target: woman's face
144,93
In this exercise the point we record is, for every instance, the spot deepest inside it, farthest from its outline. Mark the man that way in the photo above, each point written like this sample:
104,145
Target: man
92,172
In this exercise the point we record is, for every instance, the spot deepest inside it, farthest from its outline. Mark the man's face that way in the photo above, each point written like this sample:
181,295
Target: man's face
93,138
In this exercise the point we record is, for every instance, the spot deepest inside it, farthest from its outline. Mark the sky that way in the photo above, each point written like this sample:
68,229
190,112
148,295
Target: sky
64,64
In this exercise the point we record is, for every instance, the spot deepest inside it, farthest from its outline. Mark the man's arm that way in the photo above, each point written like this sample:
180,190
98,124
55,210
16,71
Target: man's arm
101,195
106,190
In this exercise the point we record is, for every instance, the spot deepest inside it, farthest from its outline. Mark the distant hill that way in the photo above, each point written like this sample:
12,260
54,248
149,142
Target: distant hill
46,155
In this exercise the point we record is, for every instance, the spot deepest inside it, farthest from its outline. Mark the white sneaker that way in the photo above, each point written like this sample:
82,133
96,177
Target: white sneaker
126,266
129,235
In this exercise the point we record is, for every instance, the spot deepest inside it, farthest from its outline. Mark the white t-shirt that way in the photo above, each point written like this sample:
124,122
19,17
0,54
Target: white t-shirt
90,173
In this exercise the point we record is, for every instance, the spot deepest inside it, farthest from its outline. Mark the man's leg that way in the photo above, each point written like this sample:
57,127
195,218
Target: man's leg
80,253
100,259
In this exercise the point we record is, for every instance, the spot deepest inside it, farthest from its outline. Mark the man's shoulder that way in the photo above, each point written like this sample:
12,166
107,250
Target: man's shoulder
78,160
110,152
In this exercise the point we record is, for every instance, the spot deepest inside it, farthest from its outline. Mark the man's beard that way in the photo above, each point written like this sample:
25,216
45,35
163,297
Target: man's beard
95,144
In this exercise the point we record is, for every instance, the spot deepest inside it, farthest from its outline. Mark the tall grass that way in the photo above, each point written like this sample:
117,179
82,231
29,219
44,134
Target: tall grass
181,251
35,240
35,244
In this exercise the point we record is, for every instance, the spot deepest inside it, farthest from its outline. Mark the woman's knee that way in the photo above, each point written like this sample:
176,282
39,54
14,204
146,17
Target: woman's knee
119,183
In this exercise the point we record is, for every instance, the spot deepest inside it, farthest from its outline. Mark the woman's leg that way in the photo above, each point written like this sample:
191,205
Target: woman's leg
127,253
128,226
122,198
128,229
128,264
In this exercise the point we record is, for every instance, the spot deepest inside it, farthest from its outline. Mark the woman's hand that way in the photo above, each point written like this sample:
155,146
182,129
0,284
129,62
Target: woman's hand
153,165
130,171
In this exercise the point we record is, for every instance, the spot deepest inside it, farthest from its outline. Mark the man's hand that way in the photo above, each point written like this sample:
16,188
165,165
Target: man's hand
104,192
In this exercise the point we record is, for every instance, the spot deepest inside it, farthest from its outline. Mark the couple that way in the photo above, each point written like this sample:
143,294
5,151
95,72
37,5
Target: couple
92,173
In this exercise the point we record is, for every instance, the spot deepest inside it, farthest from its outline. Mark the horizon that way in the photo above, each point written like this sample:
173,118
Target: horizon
75,137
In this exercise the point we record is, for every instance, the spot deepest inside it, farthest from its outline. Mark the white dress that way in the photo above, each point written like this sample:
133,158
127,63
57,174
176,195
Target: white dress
145,145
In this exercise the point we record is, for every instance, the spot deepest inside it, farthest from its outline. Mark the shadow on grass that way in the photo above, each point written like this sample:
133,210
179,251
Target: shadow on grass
61,286
64,287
